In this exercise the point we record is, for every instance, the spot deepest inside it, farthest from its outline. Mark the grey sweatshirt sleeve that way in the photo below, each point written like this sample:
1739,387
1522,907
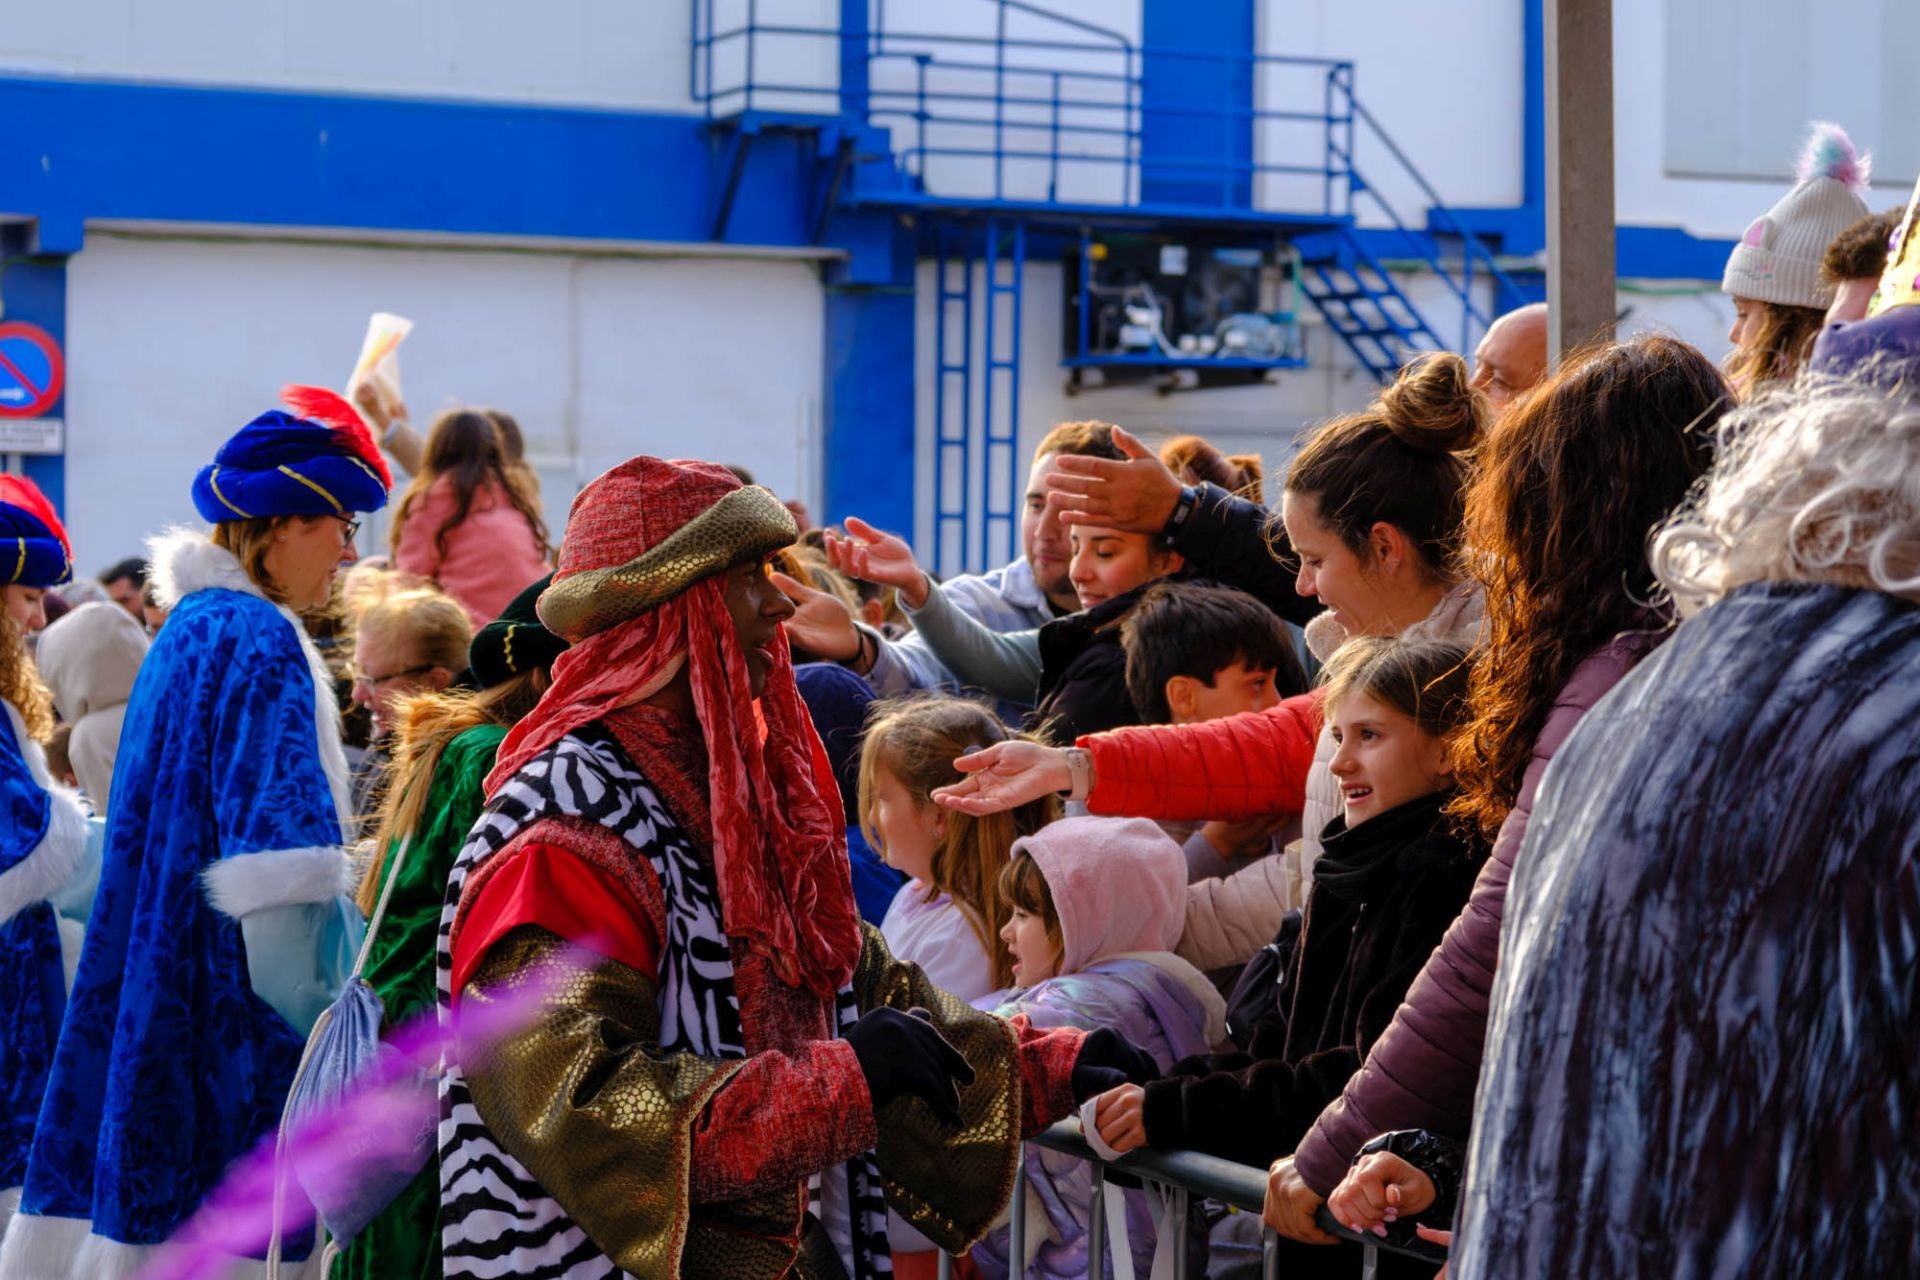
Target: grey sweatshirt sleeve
1006,665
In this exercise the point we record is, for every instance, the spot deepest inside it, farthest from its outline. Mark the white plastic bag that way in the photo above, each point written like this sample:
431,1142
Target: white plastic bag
379,363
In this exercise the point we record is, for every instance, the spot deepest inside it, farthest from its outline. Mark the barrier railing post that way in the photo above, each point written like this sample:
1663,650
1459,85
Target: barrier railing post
1269,1254
1017,1215
1096,1222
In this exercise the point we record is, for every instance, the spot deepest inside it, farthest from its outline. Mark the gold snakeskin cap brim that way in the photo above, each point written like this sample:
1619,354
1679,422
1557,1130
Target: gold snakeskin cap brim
747,523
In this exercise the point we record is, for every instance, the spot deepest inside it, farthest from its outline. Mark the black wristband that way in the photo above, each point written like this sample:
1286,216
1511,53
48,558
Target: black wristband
1182,511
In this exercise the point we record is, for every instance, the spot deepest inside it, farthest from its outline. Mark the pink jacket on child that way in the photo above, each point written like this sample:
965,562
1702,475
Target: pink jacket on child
491,556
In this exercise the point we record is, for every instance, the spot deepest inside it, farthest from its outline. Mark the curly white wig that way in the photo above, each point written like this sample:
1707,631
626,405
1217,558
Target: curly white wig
1817,482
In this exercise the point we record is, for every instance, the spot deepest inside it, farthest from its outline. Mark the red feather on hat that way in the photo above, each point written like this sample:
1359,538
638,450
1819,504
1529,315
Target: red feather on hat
330,409
23,493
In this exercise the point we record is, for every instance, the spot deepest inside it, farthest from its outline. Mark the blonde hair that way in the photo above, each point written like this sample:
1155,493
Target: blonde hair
1815,482
20,681
426,724
250,540
432,626
917,740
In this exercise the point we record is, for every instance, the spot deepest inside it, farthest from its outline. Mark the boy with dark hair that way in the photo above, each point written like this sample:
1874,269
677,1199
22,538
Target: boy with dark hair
1197,652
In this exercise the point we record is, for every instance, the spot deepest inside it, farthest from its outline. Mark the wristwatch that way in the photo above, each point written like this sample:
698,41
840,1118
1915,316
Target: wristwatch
1079,773
1182,511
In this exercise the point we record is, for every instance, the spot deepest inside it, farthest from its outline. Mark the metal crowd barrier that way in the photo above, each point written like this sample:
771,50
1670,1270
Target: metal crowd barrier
1184,1174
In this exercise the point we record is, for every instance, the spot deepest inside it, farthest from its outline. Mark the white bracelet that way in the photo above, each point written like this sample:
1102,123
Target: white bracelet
1079,773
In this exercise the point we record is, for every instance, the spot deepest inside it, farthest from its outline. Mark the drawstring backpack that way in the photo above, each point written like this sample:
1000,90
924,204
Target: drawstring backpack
344,1045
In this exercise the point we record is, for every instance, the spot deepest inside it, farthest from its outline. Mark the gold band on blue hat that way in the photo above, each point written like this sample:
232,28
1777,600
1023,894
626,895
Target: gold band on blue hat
213,483
316,488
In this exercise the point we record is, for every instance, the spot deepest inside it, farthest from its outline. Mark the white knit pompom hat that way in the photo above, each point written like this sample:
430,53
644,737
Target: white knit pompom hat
1778,259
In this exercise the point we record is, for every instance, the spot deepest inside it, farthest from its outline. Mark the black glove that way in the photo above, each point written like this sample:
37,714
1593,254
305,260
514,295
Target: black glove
902,1055
1108,1060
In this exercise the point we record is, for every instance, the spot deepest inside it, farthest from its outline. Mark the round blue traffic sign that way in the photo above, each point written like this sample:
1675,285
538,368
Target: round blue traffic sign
32,370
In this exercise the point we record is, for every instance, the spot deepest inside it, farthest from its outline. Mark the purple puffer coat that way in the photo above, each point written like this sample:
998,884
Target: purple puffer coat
1422,1073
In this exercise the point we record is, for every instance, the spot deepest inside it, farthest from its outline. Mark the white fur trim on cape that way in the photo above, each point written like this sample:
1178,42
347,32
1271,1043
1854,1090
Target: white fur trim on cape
39,1248
9,1205
1204,993
51,864
185,561
250,882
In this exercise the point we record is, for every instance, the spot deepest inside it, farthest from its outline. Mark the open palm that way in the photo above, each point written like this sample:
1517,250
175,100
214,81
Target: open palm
1005,776
873,556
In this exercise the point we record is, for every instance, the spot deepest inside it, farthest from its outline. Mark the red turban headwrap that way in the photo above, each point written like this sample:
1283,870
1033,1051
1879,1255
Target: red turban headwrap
779,838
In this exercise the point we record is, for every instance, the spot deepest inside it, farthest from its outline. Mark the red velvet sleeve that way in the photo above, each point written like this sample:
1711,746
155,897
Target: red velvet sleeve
1245,766
1046,1073
780,1117
551,886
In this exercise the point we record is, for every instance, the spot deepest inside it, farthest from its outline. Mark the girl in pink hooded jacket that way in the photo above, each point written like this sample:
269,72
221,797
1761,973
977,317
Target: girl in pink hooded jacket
1097,906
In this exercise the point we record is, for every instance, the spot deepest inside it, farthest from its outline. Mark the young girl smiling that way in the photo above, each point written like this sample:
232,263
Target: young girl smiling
1394,874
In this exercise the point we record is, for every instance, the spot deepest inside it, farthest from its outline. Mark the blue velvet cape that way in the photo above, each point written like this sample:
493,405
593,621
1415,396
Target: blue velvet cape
168,1065
33,989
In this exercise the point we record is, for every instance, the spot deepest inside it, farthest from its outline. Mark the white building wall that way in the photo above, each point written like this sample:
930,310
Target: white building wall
173,345
606,53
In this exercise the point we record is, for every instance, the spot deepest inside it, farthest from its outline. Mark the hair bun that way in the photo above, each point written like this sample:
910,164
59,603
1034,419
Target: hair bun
1432,404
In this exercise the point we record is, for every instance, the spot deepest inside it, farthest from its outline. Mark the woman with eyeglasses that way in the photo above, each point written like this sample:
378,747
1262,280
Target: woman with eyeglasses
410,643
223,922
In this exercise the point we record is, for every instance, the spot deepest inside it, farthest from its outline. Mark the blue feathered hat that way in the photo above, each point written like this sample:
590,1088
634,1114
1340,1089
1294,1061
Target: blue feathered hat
34,551
317,460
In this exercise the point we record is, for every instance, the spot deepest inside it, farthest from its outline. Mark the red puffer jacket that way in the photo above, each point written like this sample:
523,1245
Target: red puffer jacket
1244,766
1422,1073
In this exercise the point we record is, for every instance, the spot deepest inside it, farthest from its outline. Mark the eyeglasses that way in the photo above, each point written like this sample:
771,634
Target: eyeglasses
364,681
352,527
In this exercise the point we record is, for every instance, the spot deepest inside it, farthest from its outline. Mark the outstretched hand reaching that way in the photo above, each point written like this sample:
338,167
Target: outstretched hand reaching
872,556
820,624
1138,494
1005,776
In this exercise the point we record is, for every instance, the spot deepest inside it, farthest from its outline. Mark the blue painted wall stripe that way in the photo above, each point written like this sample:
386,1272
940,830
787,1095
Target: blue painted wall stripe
103,149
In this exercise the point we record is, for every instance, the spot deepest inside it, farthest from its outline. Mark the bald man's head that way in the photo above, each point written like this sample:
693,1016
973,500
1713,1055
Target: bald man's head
1513,355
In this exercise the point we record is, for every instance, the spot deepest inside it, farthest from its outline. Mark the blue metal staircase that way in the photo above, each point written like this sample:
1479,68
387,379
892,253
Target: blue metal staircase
1013,137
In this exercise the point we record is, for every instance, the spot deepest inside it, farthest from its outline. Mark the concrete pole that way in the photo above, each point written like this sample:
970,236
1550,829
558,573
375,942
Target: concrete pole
1580,213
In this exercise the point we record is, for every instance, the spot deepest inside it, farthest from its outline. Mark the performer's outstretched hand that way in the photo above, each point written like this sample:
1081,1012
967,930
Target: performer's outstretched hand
904,1055
872,556
1005,776
1108,1060
1139,494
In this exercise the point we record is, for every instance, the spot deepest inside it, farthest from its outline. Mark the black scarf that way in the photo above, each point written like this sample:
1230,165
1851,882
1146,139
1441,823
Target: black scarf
1356,863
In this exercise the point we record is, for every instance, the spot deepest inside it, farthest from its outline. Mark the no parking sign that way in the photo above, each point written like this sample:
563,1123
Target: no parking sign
32,370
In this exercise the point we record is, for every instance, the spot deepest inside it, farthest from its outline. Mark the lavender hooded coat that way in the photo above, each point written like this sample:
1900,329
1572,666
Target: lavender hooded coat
1119,886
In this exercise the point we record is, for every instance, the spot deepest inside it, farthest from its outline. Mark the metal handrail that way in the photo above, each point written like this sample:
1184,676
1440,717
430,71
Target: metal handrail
1186,1174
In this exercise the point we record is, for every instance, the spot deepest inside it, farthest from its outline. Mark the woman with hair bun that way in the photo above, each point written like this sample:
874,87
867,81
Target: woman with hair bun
1572,606
1372,508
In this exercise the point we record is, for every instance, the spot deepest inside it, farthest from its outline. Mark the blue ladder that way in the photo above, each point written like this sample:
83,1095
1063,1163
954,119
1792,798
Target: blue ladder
953,381
976,462
1001,463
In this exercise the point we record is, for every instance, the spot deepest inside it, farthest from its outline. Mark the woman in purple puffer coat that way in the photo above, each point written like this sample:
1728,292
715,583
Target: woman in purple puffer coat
1569,486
